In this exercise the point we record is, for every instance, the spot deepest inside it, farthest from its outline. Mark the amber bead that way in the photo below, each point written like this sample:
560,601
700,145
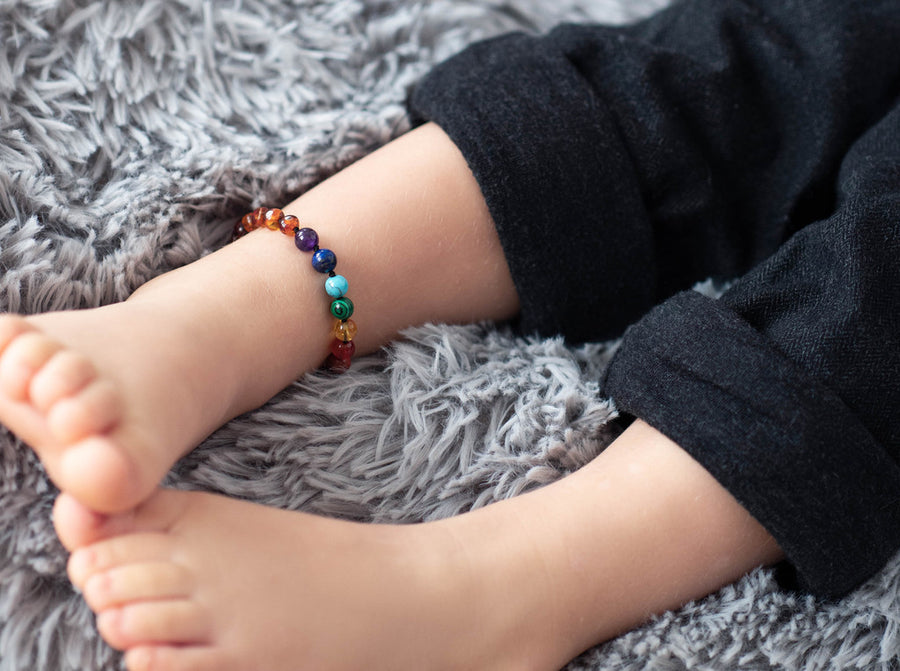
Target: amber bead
254,220
238,231
273,219
289,224
259,215
345,330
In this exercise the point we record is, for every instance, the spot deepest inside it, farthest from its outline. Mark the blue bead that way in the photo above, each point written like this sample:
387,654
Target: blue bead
324,260
336,286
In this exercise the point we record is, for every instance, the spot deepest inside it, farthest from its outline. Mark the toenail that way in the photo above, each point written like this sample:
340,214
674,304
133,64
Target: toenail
81,562
140,658
109,623
98,588
15,375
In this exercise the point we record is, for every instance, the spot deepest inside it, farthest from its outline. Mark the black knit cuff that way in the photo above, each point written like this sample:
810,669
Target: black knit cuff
521,148
785,446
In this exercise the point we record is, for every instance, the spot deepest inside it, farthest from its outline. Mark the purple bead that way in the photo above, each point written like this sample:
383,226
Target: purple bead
306,239
324,260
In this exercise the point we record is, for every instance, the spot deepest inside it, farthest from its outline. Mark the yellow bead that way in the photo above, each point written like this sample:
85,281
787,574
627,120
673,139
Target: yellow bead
345,330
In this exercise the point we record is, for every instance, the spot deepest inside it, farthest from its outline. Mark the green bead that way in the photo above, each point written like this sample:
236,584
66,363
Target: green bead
342,308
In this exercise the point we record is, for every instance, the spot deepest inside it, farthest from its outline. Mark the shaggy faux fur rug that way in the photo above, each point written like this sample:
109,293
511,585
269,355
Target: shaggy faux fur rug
131,136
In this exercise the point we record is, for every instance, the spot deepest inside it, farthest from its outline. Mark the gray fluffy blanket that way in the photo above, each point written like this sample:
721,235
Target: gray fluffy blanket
131,136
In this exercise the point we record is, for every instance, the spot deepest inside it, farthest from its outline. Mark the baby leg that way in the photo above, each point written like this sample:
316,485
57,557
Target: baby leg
111,398
194,581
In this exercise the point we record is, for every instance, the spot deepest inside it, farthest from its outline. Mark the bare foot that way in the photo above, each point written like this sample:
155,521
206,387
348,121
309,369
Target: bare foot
201,582
108,398
195,581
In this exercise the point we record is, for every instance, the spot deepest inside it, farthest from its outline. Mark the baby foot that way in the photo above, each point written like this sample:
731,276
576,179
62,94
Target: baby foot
107,398
54,399
201,582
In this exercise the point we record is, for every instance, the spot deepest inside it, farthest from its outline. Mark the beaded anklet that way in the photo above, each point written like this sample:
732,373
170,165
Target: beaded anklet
324,261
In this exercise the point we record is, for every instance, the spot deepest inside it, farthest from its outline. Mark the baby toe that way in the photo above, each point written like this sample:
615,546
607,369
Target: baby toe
76,525
100,473
64,375
132,583
93,410
21,360
117,552
11,327
175,658
178,621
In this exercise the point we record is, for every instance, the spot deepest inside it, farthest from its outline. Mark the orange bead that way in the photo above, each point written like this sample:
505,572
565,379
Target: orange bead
254,220
345,331
273,219
289,224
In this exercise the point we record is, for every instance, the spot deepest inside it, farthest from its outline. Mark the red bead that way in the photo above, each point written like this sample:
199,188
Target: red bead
289,224
337,365
238,231
343,349
341,354
273,219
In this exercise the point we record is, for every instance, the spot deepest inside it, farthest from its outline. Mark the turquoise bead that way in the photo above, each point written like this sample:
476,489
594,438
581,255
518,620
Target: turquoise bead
336,286
342,308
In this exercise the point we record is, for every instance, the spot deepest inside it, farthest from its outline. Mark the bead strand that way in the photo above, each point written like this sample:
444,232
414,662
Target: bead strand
323,261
